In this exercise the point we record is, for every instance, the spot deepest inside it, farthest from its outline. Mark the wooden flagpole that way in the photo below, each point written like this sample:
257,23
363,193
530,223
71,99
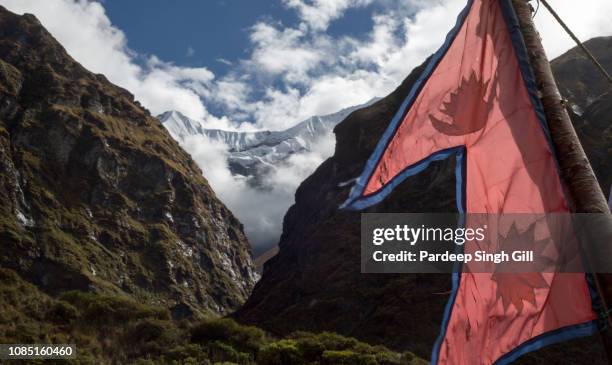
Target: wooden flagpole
582,188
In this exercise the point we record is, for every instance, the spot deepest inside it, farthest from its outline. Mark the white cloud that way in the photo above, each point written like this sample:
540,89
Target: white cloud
381,43
283,52
317,14
291,72
260,211
224,61
190,51
85,31
299,166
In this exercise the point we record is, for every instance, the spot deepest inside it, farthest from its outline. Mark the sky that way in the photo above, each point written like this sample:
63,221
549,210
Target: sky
212,34
251,65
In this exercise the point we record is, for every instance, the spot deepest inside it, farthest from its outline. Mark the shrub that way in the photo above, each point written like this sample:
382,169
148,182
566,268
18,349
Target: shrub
149,336
222,352
62,312
334,341
346,357
107,310
283,352
244,338
9,277
310,347
187,355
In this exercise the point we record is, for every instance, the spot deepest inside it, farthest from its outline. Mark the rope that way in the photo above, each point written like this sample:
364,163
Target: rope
535,12
578,42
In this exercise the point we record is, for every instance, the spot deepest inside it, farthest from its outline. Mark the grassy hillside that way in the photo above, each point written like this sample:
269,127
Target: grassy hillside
112,329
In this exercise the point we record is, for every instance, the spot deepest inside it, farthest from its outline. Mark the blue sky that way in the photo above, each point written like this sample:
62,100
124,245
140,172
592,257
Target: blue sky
213,29
288,59
207,33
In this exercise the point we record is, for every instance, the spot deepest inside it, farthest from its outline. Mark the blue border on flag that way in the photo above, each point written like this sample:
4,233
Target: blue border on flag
355,200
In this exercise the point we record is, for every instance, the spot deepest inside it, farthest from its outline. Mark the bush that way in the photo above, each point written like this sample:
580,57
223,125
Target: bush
108,310
311,348
62,313
330,341
9,277
347,358
330,348
244,338
222,352
283,352
149,337
187,355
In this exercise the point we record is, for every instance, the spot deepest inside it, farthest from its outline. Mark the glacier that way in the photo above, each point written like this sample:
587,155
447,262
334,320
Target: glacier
253,154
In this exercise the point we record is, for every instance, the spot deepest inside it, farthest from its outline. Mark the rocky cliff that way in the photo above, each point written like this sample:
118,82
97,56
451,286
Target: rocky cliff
314,282
96,195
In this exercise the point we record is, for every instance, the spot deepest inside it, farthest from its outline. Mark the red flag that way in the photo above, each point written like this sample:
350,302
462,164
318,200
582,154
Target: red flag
477,101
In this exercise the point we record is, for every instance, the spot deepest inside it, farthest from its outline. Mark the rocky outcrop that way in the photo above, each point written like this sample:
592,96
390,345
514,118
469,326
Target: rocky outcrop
96,195
314,282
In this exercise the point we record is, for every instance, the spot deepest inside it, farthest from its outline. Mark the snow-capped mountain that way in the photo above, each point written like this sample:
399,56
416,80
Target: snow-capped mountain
251,154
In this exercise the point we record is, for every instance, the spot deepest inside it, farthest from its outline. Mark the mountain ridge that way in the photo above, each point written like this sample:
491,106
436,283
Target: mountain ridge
254,153
97,196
